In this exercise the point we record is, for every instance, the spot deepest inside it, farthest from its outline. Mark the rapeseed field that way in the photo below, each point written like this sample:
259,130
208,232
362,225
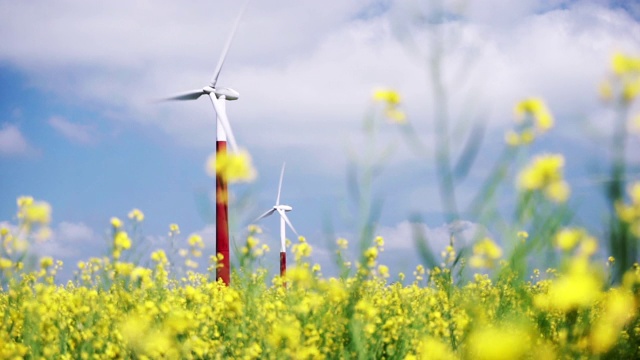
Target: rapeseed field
586,306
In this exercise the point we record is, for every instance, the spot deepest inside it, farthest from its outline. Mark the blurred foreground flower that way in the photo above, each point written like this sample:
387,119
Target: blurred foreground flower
625,83
496,343
618,309
544,173
136,215
174,229
578,287
630,213
485,254
391,99
232,167
533,119
33,212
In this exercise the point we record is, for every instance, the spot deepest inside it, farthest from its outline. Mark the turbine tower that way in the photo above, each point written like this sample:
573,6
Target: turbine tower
282,211
224,134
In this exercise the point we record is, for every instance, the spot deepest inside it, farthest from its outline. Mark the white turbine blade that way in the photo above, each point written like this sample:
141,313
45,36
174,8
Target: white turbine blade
223,56
187,95
265,215
219,106
280,184
286,219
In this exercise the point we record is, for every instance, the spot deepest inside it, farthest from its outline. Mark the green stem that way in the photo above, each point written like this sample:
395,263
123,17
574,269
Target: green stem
622,246
443,151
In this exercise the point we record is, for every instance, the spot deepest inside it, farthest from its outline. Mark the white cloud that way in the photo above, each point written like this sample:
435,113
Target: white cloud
401,236
12,142
70,241
305,79
78,133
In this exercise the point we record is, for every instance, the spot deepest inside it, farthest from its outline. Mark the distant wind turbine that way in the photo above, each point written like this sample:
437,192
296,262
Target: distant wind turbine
282,210
218,96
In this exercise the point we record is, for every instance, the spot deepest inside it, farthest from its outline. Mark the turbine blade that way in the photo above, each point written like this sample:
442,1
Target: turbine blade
265,215
286,219
219,106
280,184
187,95
223,56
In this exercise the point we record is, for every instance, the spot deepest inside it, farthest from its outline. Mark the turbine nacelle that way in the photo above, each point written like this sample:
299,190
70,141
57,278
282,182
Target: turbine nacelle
283,207
229,94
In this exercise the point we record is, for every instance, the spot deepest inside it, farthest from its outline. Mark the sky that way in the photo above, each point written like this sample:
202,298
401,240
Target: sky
80,126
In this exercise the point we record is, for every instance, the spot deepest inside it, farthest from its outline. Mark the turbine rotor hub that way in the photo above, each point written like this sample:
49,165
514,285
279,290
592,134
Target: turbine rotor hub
228,94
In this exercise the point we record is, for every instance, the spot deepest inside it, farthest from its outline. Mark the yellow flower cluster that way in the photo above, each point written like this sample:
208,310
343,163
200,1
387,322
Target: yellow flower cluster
391,99
174,229
533,119
116,309
630,213
33,212
545,173
625,82
232,167
485,254
136,215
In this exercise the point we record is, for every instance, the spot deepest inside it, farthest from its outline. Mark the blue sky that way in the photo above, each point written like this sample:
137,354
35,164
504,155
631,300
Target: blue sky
80,129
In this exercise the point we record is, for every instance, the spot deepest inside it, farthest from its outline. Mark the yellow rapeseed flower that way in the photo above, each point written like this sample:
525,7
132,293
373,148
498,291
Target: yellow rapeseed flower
623,64
485,253
46,262
116,223
254,229
5,263
545,173
534,107
136,215
34,212
383,270
396,115
499,343
121,240
391,99
630,213
195,240
619,308
626,70
530,108
232,167
342,243
388,96
512,138
431,348
579,287
567,239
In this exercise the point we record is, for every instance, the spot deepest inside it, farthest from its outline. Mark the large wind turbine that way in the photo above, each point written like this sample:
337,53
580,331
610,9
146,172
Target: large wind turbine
218,96
282,210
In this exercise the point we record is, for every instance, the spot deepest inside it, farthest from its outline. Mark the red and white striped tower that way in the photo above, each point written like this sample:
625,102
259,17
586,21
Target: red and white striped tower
283,249
223,270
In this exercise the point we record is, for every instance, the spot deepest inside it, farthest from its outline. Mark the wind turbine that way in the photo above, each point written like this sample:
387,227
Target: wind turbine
282,210
219,96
